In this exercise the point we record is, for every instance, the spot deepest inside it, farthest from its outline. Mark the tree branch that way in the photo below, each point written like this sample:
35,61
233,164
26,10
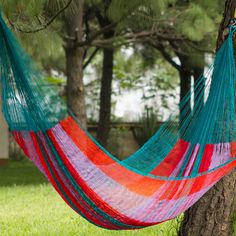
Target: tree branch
96,35
165,54
43,26
128,38
91,58
199,49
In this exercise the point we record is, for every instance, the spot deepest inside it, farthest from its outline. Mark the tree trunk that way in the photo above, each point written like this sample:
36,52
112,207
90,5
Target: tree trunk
74,64
185,83
105,97
106,82
198,97
213,214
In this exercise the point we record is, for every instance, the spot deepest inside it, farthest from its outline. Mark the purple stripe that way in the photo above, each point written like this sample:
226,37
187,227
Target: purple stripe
147,209
116,195
221,154
71,189
33,156
192,160
178,167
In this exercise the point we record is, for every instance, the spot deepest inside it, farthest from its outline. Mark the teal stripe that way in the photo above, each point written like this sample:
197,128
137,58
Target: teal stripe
57,183
82,194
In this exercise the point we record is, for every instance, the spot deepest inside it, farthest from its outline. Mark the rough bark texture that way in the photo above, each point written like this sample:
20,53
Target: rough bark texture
230,6
213,214
74,64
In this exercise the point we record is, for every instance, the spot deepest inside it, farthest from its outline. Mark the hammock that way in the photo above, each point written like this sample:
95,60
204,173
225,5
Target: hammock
175,168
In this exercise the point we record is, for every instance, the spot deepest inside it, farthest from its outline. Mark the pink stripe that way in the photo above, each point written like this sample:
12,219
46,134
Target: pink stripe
191,160
29,148
178,167
148,210
221,154
101,184
105,187
80,203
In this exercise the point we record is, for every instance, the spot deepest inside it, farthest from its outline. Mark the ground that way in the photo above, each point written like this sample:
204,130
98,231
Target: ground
30,206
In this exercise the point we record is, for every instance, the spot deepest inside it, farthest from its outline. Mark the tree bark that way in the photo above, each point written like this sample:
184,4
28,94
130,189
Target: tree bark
198,97
74,64
185,74
105,97
229,11
185,82
106,82
213,214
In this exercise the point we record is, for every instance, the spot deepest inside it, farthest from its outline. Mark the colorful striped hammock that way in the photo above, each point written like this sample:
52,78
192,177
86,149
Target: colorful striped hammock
175,168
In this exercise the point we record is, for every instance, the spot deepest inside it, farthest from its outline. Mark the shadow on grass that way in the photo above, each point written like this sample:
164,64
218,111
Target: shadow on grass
20,173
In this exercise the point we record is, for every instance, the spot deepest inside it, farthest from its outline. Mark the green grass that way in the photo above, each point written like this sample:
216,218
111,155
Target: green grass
30,206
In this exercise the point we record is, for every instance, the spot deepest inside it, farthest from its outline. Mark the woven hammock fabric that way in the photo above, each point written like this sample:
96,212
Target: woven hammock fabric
177,166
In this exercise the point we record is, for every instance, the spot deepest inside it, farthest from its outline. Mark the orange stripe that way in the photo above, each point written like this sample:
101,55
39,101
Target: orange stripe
134,182
233,149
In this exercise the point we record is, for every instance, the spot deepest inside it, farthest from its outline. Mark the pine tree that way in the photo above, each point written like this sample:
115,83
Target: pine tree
213,214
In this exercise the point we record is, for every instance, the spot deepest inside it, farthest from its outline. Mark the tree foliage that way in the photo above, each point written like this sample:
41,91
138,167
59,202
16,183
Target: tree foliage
190,26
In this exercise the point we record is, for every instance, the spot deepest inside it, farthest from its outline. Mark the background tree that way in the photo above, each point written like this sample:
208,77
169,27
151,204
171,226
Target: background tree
213,214
107,75
74,62
182,31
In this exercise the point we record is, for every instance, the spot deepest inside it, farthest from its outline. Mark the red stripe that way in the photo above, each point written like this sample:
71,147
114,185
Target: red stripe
70,196
233,149
199,182
90,193
167,166
132,181
206,158
190,163
84,209
211,178
119,173
19,139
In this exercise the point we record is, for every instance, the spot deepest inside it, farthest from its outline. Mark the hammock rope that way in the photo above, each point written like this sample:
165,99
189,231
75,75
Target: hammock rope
188,154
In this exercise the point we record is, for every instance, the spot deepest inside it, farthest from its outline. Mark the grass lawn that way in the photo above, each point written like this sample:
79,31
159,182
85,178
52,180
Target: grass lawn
30,206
